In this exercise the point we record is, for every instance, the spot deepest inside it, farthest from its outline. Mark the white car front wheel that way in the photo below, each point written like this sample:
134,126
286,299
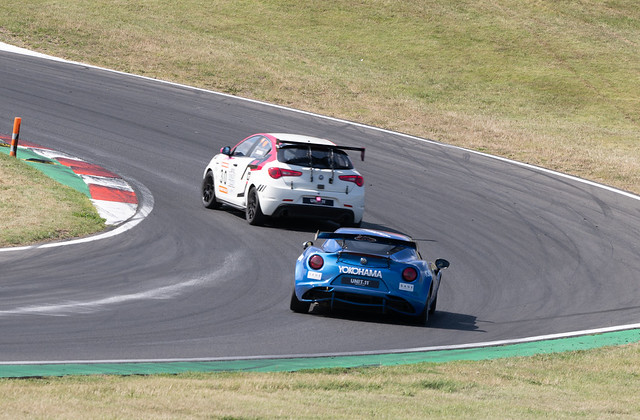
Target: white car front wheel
209,192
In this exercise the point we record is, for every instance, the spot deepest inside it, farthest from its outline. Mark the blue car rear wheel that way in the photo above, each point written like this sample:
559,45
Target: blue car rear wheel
298,306
423,317
432,310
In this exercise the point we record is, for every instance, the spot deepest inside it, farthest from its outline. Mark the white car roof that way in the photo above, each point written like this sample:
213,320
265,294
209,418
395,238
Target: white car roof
299,138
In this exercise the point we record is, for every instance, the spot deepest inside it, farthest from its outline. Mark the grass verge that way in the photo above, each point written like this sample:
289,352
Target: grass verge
595,384
549,83
35,208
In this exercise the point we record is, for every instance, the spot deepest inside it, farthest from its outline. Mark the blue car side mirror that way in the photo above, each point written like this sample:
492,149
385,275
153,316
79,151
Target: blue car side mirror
226,150
441,263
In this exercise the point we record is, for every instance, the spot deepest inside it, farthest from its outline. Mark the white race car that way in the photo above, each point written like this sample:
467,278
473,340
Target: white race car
286,175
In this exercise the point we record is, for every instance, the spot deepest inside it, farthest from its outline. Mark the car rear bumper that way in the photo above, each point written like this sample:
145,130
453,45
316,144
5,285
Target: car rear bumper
305,210
286,202
366,301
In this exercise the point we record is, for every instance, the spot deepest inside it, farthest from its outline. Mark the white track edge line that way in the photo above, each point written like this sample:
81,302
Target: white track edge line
18,50
480,345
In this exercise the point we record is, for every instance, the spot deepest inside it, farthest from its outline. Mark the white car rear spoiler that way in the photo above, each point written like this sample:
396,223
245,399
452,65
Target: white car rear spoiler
284,143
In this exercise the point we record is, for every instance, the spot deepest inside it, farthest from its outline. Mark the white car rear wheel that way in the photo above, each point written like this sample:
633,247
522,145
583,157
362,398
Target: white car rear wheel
253,212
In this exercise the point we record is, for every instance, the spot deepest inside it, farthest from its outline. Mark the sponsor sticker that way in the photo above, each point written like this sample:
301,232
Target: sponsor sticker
406,286
314,275
359,271
360,282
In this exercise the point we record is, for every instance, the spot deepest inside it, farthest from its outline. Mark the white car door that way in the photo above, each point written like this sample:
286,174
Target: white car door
234,172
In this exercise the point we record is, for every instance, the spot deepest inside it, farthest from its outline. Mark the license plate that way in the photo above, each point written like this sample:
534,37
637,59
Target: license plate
318,201
353,281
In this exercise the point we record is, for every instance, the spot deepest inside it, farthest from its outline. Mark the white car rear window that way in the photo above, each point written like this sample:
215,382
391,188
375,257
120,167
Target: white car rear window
321,158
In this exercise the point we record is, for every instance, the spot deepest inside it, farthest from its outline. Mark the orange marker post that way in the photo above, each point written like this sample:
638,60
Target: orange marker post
14,138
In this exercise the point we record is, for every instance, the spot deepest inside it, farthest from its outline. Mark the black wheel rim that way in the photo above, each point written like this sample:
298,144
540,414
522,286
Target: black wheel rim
251,205
207,191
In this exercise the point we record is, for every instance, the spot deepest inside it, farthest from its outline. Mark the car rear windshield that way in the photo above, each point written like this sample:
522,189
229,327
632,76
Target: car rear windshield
317,157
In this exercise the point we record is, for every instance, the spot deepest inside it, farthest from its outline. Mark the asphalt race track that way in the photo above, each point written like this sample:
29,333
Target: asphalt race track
532,252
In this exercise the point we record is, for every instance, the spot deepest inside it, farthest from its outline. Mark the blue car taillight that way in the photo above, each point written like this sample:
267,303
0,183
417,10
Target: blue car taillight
409,274
316,262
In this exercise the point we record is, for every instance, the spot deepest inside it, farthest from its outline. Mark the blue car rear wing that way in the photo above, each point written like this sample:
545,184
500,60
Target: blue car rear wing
366,238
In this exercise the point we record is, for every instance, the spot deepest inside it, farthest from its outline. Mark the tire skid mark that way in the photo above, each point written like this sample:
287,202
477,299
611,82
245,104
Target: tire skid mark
65,308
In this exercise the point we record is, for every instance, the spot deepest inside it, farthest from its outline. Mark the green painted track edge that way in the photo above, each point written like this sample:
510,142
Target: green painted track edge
50,167
577,343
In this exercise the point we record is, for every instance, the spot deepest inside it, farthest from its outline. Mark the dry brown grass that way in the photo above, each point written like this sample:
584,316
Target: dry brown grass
593,384
550,83
35,208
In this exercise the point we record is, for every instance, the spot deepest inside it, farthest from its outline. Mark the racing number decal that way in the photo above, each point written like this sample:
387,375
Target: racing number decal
224,178
223,181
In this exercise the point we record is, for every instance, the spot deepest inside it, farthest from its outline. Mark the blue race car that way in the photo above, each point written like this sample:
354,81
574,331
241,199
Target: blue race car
367,269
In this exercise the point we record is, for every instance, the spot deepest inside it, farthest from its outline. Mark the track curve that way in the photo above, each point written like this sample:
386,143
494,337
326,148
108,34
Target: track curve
532,252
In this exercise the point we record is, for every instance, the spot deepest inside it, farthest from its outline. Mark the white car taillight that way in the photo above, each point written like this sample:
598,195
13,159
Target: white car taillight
356,179
276,173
